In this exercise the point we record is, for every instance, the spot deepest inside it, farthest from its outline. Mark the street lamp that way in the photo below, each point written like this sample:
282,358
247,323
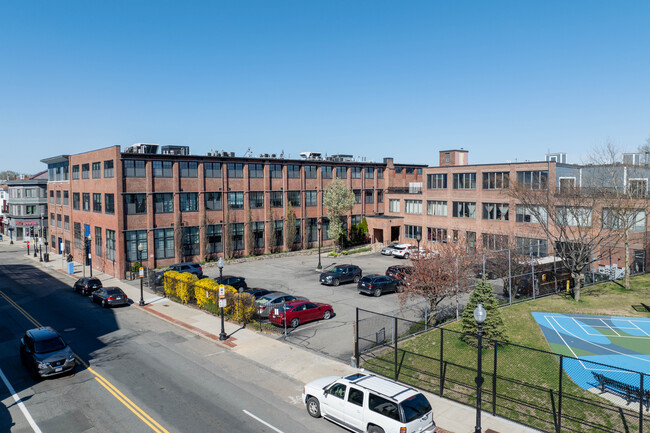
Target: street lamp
479,315
35,243
90,257
222,334
40,250
319,226
11,232
140,248
418,237
46,257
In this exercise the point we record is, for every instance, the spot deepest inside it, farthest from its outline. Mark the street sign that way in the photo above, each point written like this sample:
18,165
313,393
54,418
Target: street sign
140,271
222,291
222,303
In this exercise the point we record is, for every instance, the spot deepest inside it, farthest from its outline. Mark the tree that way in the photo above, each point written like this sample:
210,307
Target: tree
493,327
273,240
339,199
227,233
250,240
290,230
8,175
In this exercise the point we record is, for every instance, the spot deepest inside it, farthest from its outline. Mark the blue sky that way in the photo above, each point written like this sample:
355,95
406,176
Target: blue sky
507,80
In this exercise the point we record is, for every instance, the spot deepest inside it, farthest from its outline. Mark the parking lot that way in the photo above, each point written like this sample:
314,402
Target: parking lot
297,275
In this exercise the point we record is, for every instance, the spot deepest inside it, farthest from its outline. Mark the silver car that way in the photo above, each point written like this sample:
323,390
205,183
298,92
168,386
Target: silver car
274,300
388,249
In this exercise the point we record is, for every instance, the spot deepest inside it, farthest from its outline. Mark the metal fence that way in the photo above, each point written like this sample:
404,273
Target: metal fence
541,389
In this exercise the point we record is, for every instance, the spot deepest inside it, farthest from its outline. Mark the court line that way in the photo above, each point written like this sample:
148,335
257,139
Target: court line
606,324
20,403
632,323
579,324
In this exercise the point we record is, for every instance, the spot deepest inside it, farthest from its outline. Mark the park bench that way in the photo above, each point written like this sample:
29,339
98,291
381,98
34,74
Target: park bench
630,392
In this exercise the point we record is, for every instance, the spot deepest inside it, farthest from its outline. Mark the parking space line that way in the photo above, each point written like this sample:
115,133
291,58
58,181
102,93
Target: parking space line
20,404
261,421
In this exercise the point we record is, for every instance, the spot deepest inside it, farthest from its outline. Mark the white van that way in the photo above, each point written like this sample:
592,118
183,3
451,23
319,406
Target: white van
366,403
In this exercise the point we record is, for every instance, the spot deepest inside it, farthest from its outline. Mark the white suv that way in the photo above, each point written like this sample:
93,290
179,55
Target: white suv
403,251
366,403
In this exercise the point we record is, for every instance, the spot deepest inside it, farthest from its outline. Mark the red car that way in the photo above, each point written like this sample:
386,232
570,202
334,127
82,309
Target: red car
298,312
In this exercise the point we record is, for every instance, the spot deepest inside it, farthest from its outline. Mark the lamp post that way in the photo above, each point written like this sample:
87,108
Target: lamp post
479,315
90,257
35,243
40,249
140,248
319,226
11,232
418,237
46,256
222,334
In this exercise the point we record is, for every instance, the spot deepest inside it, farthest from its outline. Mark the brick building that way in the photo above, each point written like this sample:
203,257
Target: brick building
168,207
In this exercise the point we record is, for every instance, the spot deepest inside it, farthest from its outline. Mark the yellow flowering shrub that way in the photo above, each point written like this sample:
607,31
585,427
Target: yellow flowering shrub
206,290
185,287
170,282
244,307
231,296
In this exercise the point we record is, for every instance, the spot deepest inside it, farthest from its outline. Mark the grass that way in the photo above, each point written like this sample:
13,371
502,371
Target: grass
527,380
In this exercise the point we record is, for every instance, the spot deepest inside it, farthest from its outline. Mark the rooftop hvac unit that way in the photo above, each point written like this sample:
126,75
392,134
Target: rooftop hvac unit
557,157
175,150
146,148
264,155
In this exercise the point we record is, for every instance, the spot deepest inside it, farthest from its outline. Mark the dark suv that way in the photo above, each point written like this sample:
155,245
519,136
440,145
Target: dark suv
44,352
377,285
86,285
341,274
235,282
192,268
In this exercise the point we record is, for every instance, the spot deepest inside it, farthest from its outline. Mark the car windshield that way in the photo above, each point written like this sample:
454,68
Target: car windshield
338,269
49,345
415,407
94,282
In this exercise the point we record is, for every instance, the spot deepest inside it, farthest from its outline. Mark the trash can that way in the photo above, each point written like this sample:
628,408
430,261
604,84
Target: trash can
70,268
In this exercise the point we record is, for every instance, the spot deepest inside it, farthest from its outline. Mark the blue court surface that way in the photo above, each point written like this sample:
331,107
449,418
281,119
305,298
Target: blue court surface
622,343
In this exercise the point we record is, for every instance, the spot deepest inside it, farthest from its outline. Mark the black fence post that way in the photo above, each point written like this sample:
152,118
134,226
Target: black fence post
641,395
395,342
442,352
559,397
356,340
494,380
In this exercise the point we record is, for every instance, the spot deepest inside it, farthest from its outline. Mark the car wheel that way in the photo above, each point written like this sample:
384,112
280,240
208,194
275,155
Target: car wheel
377,293
327,315
295,322
313,407
375,429
104,303
336,282
357,278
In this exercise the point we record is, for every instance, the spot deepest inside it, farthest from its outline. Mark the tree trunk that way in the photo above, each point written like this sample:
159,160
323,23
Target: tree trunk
627,258
576,286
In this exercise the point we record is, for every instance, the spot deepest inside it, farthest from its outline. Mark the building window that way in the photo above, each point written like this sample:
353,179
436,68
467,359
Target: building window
213,201
464,209
191,241
326,172
52,220
58,197
97,202
399,170
357,196
258,234
436,208
567,184
108,171
411,232
393,206
66,223
276,198
51,197
215,238
293,171
97,170
470,238
189,168
30,209
342,172
98,241
532,247
356,172
235,170
75,172
163,202
496,211
110,245
256,199
294,198
135,204
235,200
278,228
189,201
163,168
635,220
312,230
255,170
437,181
133,168
109,203
276,171
494,242
66,198
133,239
380,196
311,198
533,179
310,172
212,169
58,221
496,180
77,235
85,202
370,173
163,241
355,219
413,207
436,235
380,173
638,188
85,171
529,215
370,196
464,180
237,236
75,201
410,170
573,216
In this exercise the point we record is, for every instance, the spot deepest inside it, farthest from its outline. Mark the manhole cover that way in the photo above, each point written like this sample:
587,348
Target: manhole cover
69,329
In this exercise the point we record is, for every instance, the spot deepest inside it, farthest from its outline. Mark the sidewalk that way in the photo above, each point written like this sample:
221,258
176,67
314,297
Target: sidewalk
295,362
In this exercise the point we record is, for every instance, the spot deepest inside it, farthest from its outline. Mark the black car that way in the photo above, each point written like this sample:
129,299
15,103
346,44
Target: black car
192,268
87,285
45,353
378,285
110,297
257,293
235,282
341,274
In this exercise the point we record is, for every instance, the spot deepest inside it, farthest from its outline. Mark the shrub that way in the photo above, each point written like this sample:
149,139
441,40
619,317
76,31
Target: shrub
493,327
206,290
135,267
184,289
170,282
244,307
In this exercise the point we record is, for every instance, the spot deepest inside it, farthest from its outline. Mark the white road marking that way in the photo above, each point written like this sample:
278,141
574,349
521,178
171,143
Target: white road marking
18,401
261,421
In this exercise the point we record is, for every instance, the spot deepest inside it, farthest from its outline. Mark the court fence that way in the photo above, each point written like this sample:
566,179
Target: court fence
544,390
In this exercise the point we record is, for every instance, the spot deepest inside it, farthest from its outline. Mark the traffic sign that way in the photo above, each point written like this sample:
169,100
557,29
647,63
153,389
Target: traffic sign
222,303
222,291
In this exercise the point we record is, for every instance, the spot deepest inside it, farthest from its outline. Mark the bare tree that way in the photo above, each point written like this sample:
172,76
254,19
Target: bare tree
250,240
227,233
273,240
290,230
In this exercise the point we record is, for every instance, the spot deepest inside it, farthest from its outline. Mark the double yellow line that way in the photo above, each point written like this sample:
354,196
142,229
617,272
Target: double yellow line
99,378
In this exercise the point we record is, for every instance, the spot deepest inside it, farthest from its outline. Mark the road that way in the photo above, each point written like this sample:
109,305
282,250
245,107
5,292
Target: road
139,374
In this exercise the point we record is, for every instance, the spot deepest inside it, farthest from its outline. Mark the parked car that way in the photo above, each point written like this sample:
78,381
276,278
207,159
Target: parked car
403,251
110,297
388,249
87,285
297,312
368,403
45,353
257,293
399,271
341,274
193,268
378,285
235,282
274,300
